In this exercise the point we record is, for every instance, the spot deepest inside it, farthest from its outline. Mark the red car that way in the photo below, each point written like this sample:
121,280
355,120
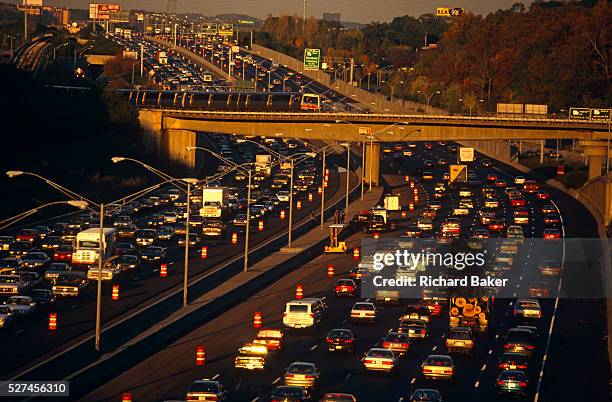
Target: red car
543,195
346,287
517,202
551,234
496,225
530,186
26,235
63,253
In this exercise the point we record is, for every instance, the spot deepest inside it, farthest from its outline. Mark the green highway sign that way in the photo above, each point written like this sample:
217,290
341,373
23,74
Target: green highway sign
312,58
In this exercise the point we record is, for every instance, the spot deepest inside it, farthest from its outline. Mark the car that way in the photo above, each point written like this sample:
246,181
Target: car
480,233
363,311
415,312
35,259
486,163
427,176
500,183
153,254
206,390
240,220
146,237
513,361
496,225
27,235
338,397
491,203
304,313
492,177
426,395
543,195
550,267
301,374
551,234
126,231
340,339
530,187
359,272
414,328
527,309
539,289
438,366
413,231
397,342
63,253
519,180
166,233
465,192
214,228
512,382
127,262
9,265
272,338
42,296
21,305
55,269
284,393
345,287
521,216
49,243
6,316
379,359
548,209
194,240
551,219
125,248
520,340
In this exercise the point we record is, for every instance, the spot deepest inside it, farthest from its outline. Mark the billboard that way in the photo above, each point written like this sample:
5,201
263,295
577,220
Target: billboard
458,173
32,3
209,29
448,12
102,11
312,57
225,29
466,154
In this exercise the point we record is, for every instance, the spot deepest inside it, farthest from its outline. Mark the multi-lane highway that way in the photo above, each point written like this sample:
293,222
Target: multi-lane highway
142,286
572,347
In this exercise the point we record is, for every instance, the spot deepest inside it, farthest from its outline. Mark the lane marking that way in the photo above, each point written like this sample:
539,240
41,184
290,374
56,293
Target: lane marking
476,384
413,380
276,381
313,347
348,376
484,366
216,376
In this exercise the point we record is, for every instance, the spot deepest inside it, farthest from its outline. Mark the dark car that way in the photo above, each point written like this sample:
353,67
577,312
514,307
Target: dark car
513,361
426,395
338,397
42,296
340,339
284,393
153,254
20,248
125,248
512,382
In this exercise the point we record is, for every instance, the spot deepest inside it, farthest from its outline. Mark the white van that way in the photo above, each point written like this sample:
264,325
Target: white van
304,313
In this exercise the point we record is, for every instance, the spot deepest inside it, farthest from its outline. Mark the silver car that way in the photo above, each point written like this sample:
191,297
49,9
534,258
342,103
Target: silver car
21,305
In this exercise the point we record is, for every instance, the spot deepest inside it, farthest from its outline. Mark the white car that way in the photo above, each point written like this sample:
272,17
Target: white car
6,316
527,308
21,305
283,196
378,359
519,180
363,311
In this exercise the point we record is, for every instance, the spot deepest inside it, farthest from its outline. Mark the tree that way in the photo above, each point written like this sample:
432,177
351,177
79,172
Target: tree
425,87
470,101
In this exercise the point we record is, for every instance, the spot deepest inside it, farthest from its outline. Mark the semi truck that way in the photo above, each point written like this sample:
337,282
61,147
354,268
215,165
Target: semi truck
263,164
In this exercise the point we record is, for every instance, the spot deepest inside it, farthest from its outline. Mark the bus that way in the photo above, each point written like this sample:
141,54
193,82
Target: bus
310,102
88,245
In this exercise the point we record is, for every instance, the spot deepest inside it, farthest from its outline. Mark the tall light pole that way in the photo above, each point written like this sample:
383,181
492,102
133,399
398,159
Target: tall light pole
189,182
248,224
363,145
348,170
14,219
99,290
323,189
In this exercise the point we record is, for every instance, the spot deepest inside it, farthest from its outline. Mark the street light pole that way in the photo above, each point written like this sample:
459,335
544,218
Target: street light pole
248,224
363,145
323,189
99,294
186,270
370,164
290,204
348,167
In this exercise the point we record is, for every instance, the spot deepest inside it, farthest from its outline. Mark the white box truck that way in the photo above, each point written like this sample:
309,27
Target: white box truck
263,164
392,202
214,201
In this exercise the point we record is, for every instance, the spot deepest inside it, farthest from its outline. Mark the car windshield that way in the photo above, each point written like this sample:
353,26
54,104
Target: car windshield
459,335
396,338
438,361
425,395
512,376
298,308
363,307
9,279
89,244
380,353
301,369
345,283
519,336
18,301
340,333
203,387
289,392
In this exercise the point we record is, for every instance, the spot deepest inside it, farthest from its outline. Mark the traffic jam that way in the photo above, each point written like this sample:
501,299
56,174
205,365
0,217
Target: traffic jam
49,269
321,338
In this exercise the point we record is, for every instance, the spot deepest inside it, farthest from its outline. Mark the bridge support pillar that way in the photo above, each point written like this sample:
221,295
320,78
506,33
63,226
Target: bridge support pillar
596,152
371,169
174,143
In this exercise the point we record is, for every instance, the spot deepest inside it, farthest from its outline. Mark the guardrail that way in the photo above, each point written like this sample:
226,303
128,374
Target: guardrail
373,118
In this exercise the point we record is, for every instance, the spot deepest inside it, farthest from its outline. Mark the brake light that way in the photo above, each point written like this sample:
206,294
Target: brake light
500,382
426,370
285,314
423,332
368,361
530,347
405,345
522,384
387,362
309,377
329,340
311,315
386,344
522,366
507,346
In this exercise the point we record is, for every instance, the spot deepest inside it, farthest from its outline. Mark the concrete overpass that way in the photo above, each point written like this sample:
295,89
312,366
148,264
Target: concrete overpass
178,128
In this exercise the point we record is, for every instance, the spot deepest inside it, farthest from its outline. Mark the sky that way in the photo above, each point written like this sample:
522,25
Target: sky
363,11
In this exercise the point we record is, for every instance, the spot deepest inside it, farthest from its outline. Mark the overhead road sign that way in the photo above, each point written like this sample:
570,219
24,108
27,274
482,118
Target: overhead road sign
312,59
580,113
600,114
225,29
458,173
466,154
209,29
103,11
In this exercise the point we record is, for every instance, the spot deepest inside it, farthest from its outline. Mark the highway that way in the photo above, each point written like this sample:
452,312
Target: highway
142,287
578,329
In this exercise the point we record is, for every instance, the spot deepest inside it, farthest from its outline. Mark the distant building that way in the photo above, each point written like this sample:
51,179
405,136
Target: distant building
331,17
62,15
